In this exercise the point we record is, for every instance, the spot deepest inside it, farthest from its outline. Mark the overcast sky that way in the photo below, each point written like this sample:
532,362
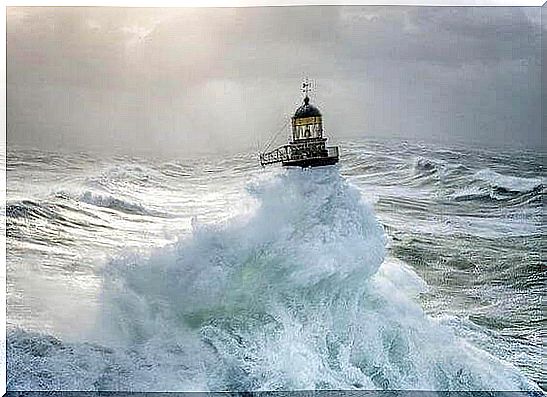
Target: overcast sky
194,80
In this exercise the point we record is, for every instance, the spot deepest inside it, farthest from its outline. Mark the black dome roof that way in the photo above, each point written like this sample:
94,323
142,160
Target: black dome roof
307,110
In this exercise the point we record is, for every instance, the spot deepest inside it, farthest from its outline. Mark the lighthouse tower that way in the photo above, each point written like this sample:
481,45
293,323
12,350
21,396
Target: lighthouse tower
307,146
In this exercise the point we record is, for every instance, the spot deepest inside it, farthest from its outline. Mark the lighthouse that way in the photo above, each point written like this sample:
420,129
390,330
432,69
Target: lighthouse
307,147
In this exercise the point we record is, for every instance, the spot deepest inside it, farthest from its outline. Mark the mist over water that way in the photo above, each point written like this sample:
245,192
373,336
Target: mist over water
405,267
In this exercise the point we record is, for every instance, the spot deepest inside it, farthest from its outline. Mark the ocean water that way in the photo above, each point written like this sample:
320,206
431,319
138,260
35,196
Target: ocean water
406,266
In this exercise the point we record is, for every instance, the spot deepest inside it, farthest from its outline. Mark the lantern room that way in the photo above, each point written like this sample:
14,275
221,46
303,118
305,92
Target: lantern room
307,122
307,147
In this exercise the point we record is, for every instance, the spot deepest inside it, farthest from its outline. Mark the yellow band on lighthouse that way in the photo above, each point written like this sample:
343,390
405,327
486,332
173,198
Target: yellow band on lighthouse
307,120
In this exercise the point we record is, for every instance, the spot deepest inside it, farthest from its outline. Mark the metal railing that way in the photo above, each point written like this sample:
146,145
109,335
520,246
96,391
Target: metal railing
275,156
298,151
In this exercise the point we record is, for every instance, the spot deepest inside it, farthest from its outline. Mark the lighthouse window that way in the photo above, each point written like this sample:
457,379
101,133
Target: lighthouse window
317,130
307,128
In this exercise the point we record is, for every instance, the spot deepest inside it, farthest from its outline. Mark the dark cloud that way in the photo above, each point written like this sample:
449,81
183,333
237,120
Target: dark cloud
189,80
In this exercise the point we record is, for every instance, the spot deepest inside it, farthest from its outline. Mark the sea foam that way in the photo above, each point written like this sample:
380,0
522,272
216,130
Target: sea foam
507,182
296,294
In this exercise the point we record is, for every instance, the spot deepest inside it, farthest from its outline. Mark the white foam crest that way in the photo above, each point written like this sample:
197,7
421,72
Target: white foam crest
471,192
507,182
111,202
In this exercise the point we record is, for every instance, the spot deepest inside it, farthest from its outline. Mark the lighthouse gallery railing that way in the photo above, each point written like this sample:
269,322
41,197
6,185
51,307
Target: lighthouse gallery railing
275,156
298,151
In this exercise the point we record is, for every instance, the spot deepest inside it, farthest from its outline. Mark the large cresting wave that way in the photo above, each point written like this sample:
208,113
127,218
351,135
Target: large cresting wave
295,294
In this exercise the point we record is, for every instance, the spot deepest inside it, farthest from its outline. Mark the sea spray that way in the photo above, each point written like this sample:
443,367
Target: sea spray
295,295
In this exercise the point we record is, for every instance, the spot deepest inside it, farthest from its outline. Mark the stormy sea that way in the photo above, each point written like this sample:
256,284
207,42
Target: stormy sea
406,266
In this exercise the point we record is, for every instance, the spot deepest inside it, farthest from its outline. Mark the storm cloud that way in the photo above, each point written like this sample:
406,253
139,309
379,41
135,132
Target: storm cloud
192,80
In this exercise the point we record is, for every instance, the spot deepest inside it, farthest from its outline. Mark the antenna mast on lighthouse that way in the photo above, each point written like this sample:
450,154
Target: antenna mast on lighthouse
306,86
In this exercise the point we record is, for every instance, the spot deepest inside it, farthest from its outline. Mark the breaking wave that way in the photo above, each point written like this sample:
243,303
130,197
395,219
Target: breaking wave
296,294
117,204
33,210
487,185
425,164
506,183
29,209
